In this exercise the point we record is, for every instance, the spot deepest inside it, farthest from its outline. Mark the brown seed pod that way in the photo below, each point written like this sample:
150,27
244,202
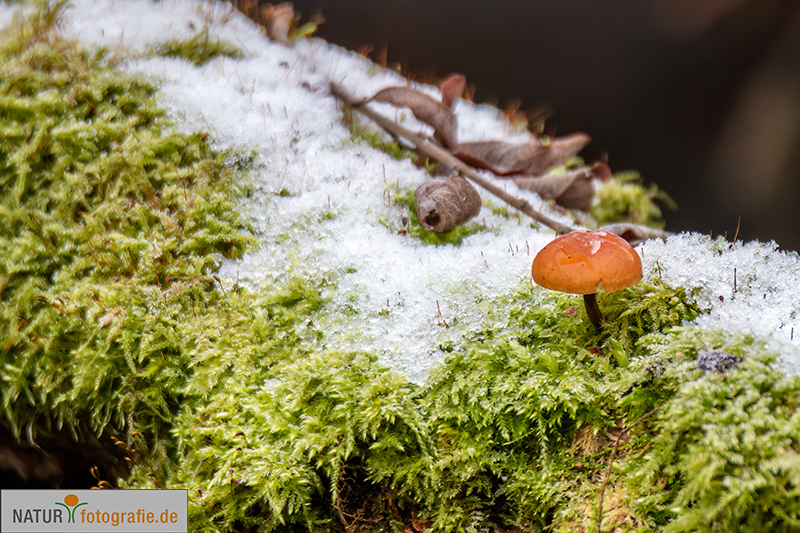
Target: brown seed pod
442,205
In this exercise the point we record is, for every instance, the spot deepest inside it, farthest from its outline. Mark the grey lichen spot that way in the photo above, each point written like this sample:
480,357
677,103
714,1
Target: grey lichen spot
655,370
717,361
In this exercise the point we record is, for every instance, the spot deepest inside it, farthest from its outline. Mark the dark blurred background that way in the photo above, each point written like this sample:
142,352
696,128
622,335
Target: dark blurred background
700,96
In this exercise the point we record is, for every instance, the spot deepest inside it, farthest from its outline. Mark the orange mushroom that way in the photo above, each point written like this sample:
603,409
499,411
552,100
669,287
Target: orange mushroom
580,261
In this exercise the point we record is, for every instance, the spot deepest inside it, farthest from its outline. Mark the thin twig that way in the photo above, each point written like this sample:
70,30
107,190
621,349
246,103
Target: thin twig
611,464
443,156
441,316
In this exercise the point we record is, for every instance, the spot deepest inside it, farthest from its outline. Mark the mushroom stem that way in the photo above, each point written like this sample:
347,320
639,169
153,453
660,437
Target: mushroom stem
593,310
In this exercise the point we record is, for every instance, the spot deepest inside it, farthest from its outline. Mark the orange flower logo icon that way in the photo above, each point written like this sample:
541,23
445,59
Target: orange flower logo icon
71,502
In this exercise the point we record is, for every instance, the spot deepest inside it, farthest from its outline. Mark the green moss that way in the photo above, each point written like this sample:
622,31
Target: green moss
728,447
198,50
279,446
378,140
488,442
507,405
625,199
111,225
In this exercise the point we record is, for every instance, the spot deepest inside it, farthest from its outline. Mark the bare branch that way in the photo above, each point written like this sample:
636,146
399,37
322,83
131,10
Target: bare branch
443,156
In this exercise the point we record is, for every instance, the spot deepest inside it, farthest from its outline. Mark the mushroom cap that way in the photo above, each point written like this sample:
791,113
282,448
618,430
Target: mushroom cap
580,261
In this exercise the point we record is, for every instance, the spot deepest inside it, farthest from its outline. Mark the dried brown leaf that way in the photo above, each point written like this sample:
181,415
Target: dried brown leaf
442,205
600,171
573,189
425,108
635,233
530,159
250,9
420,524
279,22
452,87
